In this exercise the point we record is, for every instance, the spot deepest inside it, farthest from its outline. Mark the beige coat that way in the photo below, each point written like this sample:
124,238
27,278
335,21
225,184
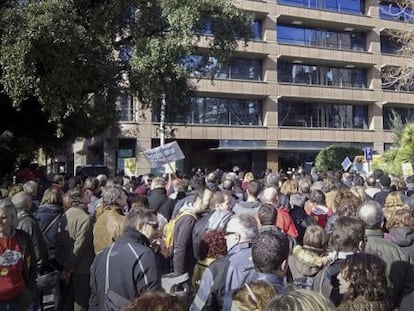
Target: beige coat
108,228
74,244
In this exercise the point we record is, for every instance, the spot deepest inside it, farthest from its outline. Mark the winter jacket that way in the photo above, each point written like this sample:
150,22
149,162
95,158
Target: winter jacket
222,276
129,274
247,207
285,223
74,243
107,229
160,202
44,216
306,261
183,258
386,250
28,224
403,237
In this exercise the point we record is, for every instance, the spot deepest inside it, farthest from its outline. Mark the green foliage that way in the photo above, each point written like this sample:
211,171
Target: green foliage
62,57
387,162
331,158
391,161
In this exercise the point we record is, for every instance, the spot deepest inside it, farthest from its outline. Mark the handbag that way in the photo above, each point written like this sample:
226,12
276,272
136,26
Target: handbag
112,300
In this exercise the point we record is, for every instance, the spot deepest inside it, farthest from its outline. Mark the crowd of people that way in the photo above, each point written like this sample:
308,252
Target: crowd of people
285,241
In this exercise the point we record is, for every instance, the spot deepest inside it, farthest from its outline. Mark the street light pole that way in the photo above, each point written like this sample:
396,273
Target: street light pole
162,121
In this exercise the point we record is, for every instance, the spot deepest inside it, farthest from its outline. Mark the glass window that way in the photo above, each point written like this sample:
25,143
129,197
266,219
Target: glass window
395,12
125,108
246,69
322,115
358,41
346,6
389,45
320,37
320,75
390,113
290,35
257,30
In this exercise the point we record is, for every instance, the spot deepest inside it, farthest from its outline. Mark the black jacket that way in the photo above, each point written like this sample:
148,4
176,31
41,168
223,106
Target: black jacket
128,276
159,202
44,216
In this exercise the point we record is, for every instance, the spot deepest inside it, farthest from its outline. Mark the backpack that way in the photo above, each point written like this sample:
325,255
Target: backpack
324,282
168,235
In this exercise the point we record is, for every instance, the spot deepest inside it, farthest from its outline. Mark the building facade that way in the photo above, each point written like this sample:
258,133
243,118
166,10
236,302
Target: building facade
311,77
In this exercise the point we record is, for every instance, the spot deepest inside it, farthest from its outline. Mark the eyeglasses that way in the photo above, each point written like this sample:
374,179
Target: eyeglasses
154,225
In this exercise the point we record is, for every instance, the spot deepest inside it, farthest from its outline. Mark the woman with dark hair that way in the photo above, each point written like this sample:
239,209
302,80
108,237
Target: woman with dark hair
363,283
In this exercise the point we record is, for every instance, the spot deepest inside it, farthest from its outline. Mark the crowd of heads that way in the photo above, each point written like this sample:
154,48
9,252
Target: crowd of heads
289,220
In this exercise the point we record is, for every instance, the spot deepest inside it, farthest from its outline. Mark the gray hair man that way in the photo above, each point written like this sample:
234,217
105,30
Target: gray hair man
371,214
231,271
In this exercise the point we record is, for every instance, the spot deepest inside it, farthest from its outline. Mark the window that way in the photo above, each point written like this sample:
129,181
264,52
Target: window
321,75
126,149
125,108
346,6
406,115
257,30
395,12
389,45
222,111
327,115
202,66
320,37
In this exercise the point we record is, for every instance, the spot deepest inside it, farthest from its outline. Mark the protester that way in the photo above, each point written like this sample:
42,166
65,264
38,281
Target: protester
154,301
270,252
400,231
300,300
253,296
110,225
372,215
18,268
231,271
308,260
212,247
363,283
129,267
158,199
74,251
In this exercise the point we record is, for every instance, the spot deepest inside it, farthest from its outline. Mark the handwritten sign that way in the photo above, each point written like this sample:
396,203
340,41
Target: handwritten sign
162,155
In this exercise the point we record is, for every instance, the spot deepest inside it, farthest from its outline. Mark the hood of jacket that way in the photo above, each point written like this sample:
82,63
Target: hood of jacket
307,261
402,236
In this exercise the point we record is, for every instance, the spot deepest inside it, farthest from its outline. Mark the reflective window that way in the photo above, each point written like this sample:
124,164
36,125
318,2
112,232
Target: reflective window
208,29
395,12
406,115
125,108
322,115
202,66
320,37
321,75
257,30
221,111
345,6
390,80
389,45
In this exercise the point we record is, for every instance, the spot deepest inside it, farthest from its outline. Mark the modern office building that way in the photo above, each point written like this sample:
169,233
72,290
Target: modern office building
311,77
